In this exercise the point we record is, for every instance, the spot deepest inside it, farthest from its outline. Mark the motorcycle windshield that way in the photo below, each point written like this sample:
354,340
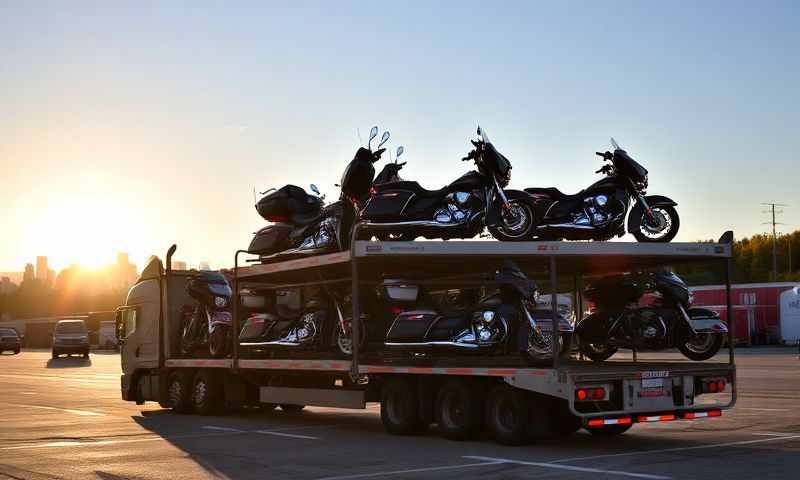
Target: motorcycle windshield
220,290
512,276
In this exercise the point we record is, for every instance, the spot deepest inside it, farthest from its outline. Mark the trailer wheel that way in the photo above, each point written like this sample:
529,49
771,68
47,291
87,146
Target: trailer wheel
507,416
179,388
290,408
458,409
206,392
609,430
400,407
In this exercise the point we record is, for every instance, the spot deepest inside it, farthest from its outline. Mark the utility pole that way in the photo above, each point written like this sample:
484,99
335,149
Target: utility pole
774,236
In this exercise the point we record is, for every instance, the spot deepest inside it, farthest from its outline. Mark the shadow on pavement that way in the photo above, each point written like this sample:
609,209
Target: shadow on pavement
69,362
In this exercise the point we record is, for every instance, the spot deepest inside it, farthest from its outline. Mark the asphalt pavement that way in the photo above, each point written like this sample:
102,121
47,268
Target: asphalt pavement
64,418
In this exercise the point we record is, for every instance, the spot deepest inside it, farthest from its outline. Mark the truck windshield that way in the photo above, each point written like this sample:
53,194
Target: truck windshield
71,327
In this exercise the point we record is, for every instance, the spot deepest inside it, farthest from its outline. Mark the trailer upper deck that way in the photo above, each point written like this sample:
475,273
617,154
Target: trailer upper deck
455,257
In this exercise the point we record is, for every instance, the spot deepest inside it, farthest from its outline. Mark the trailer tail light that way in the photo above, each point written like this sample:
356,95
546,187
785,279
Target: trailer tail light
696,415
655,418
601,422
592,393
713,385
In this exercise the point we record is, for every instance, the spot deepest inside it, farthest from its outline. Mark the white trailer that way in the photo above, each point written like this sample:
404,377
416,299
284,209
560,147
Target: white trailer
461,394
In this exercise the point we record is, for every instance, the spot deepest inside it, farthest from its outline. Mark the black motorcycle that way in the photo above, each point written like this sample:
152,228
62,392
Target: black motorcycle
598,212
478,199
668,322
287,321
302,223
209,324
503,322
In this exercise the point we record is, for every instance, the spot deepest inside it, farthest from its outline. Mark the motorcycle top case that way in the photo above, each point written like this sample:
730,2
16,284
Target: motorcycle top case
359,174
270,239
281,204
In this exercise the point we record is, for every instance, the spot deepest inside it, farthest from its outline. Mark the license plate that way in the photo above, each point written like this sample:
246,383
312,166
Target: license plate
648,383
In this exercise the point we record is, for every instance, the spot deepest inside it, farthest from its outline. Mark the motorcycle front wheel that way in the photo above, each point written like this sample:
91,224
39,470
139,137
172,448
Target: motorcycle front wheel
661,228
516,222
218,342
344,340
701,346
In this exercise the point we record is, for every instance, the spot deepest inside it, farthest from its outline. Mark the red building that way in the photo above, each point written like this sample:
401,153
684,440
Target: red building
756,309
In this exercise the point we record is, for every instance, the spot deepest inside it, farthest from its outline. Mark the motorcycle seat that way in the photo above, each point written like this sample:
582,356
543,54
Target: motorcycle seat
415,187
554,193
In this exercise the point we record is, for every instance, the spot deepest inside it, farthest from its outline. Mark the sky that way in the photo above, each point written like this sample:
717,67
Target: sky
133,126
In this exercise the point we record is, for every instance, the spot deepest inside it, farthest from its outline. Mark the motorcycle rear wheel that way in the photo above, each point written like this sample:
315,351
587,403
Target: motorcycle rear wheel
665,231
218,342
543,350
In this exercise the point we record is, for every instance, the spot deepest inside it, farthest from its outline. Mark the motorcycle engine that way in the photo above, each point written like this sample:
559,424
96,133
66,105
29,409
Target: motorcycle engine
650,330
596,211
458,208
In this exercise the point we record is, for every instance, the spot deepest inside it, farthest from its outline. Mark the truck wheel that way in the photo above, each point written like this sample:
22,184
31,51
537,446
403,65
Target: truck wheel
458,409
400,407
507,417
179,389
609,430
289,408
206,392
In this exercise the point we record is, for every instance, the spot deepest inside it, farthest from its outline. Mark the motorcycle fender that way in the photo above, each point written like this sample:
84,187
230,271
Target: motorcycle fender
635,215
702,320
494,210
592,326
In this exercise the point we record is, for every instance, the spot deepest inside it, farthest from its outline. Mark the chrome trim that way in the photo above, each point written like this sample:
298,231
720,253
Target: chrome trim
273,342
418,223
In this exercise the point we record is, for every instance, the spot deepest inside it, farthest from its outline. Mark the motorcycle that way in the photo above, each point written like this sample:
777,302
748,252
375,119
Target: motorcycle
598,212
506,321
669,322
462,209
209,324
317,324
302,224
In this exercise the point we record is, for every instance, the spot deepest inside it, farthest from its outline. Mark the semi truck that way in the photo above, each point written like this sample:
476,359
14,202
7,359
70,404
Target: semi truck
514,401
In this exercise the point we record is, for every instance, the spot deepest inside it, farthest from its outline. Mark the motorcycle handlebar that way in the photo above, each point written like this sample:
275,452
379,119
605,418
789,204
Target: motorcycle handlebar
377,154
605,155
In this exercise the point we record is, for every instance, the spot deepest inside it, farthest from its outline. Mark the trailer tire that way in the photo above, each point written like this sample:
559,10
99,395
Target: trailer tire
178,395
400,407
291,408
507,417
609,430
458,409
207,392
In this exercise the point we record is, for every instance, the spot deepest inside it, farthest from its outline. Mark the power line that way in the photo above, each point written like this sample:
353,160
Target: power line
774,235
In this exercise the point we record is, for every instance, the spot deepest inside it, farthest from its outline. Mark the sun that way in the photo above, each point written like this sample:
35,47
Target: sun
85,229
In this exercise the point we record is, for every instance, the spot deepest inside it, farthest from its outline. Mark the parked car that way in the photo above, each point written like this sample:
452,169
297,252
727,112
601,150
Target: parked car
107,335
9,340
70,337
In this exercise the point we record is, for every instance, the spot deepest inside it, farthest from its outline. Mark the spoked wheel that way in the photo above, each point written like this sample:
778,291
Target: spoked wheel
344,338
701,346
662,227
458,409
540,345
516,222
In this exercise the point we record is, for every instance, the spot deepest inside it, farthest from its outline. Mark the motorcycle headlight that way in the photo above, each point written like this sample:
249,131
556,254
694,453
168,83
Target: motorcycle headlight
220,301
487,316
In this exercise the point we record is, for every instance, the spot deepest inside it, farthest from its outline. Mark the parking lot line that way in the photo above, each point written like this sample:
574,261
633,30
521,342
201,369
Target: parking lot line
680,449
571,468
221,429
413,470
84,413
290,435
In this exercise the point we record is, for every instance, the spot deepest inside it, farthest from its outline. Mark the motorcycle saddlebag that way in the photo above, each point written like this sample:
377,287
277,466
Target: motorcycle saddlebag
411,326
279,205
386,205
257,326
270,239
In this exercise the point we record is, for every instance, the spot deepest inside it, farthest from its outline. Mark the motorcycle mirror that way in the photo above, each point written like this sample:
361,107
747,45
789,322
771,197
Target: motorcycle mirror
479,130
384,138
314,189
399,152
372,134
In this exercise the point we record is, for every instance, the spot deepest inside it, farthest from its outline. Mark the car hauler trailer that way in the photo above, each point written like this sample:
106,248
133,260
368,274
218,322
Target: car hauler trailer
516,402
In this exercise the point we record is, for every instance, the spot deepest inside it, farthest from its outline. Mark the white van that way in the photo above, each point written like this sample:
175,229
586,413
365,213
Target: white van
107,335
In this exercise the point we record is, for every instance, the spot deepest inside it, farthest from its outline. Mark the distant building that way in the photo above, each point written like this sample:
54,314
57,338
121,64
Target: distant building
28,276
178,265
7,286
15,277
123,273
42,270
204,266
